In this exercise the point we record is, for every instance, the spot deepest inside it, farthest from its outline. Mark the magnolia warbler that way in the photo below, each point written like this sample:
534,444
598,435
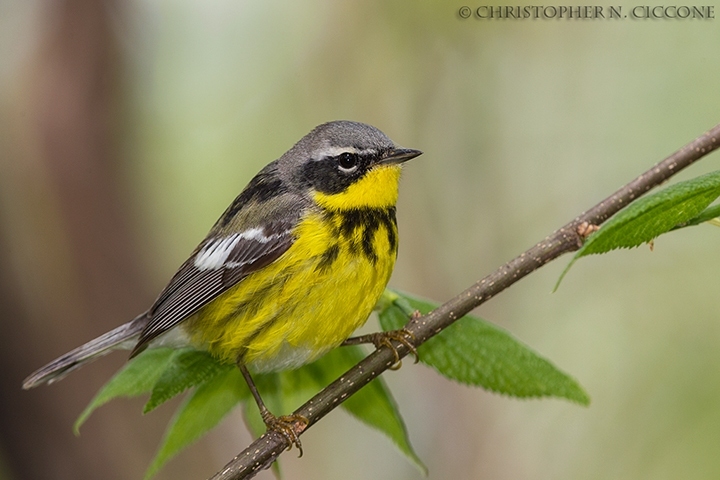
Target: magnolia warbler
293,266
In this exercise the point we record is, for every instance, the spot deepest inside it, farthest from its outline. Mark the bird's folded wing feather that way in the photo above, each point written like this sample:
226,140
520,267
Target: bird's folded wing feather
217,264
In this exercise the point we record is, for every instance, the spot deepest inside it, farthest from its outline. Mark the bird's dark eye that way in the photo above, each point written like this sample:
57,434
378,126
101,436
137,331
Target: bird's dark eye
348,161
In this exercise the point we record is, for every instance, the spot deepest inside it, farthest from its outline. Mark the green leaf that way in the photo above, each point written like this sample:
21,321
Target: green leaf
707,215
651,216
205,407
137,377
475,352
187,369
167,373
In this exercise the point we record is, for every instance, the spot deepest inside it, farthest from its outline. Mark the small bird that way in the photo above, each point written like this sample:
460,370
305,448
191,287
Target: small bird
291,269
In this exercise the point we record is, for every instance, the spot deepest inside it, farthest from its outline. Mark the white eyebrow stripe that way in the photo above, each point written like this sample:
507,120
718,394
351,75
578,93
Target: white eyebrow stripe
215,253
335,151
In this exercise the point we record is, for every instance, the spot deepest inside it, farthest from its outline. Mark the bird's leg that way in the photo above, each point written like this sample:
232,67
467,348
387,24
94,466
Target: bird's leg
379,339
289,426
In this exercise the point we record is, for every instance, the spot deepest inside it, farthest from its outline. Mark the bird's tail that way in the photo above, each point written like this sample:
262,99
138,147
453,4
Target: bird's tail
123,337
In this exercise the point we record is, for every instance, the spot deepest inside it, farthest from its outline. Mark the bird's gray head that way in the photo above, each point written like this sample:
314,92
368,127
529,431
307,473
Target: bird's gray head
342,135
326,161
336,154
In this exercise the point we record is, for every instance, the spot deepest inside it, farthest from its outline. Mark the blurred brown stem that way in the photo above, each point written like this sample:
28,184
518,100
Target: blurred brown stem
263,451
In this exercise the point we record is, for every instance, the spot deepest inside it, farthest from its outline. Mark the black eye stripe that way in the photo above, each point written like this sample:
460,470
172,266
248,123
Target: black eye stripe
334,173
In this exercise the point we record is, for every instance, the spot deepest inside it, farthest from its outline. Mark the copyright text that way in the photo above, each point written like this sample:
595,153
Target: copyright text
588,12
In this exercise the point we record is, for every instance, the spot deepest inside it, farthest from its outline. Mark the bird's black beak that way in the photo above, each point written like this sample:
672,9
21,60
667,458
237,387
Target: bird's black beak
399,155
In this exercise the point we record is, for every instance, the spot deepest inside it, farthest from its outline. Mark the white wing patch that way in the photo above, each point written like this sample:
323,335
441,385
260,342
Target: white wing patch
215,254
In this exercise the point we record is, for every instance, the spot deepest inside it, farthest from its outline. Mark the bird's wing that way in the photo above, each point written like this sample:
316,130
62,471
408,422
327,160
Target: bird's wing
217,264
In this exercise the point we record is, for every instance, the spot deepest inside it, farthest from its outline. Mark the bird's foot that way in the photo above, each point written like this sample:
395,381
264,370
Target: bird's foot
289,426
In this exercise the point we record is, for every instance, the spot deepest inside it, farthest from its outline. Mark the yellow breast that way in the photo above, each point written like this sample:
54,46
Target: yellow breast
308,301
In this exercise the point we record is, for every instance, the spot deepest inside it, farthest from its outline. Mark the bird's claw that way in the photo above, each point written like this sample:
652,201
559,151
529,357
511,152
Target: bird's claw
403,336
289,426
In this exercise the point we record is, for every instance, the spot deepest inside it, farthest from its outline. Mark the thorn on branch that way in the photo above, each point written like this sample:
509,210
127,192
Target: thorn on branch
585,229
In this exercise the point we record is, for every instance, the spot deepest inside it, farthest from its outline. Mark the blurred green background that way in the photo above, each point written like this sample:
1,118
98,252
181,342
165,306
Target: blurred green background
127,127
